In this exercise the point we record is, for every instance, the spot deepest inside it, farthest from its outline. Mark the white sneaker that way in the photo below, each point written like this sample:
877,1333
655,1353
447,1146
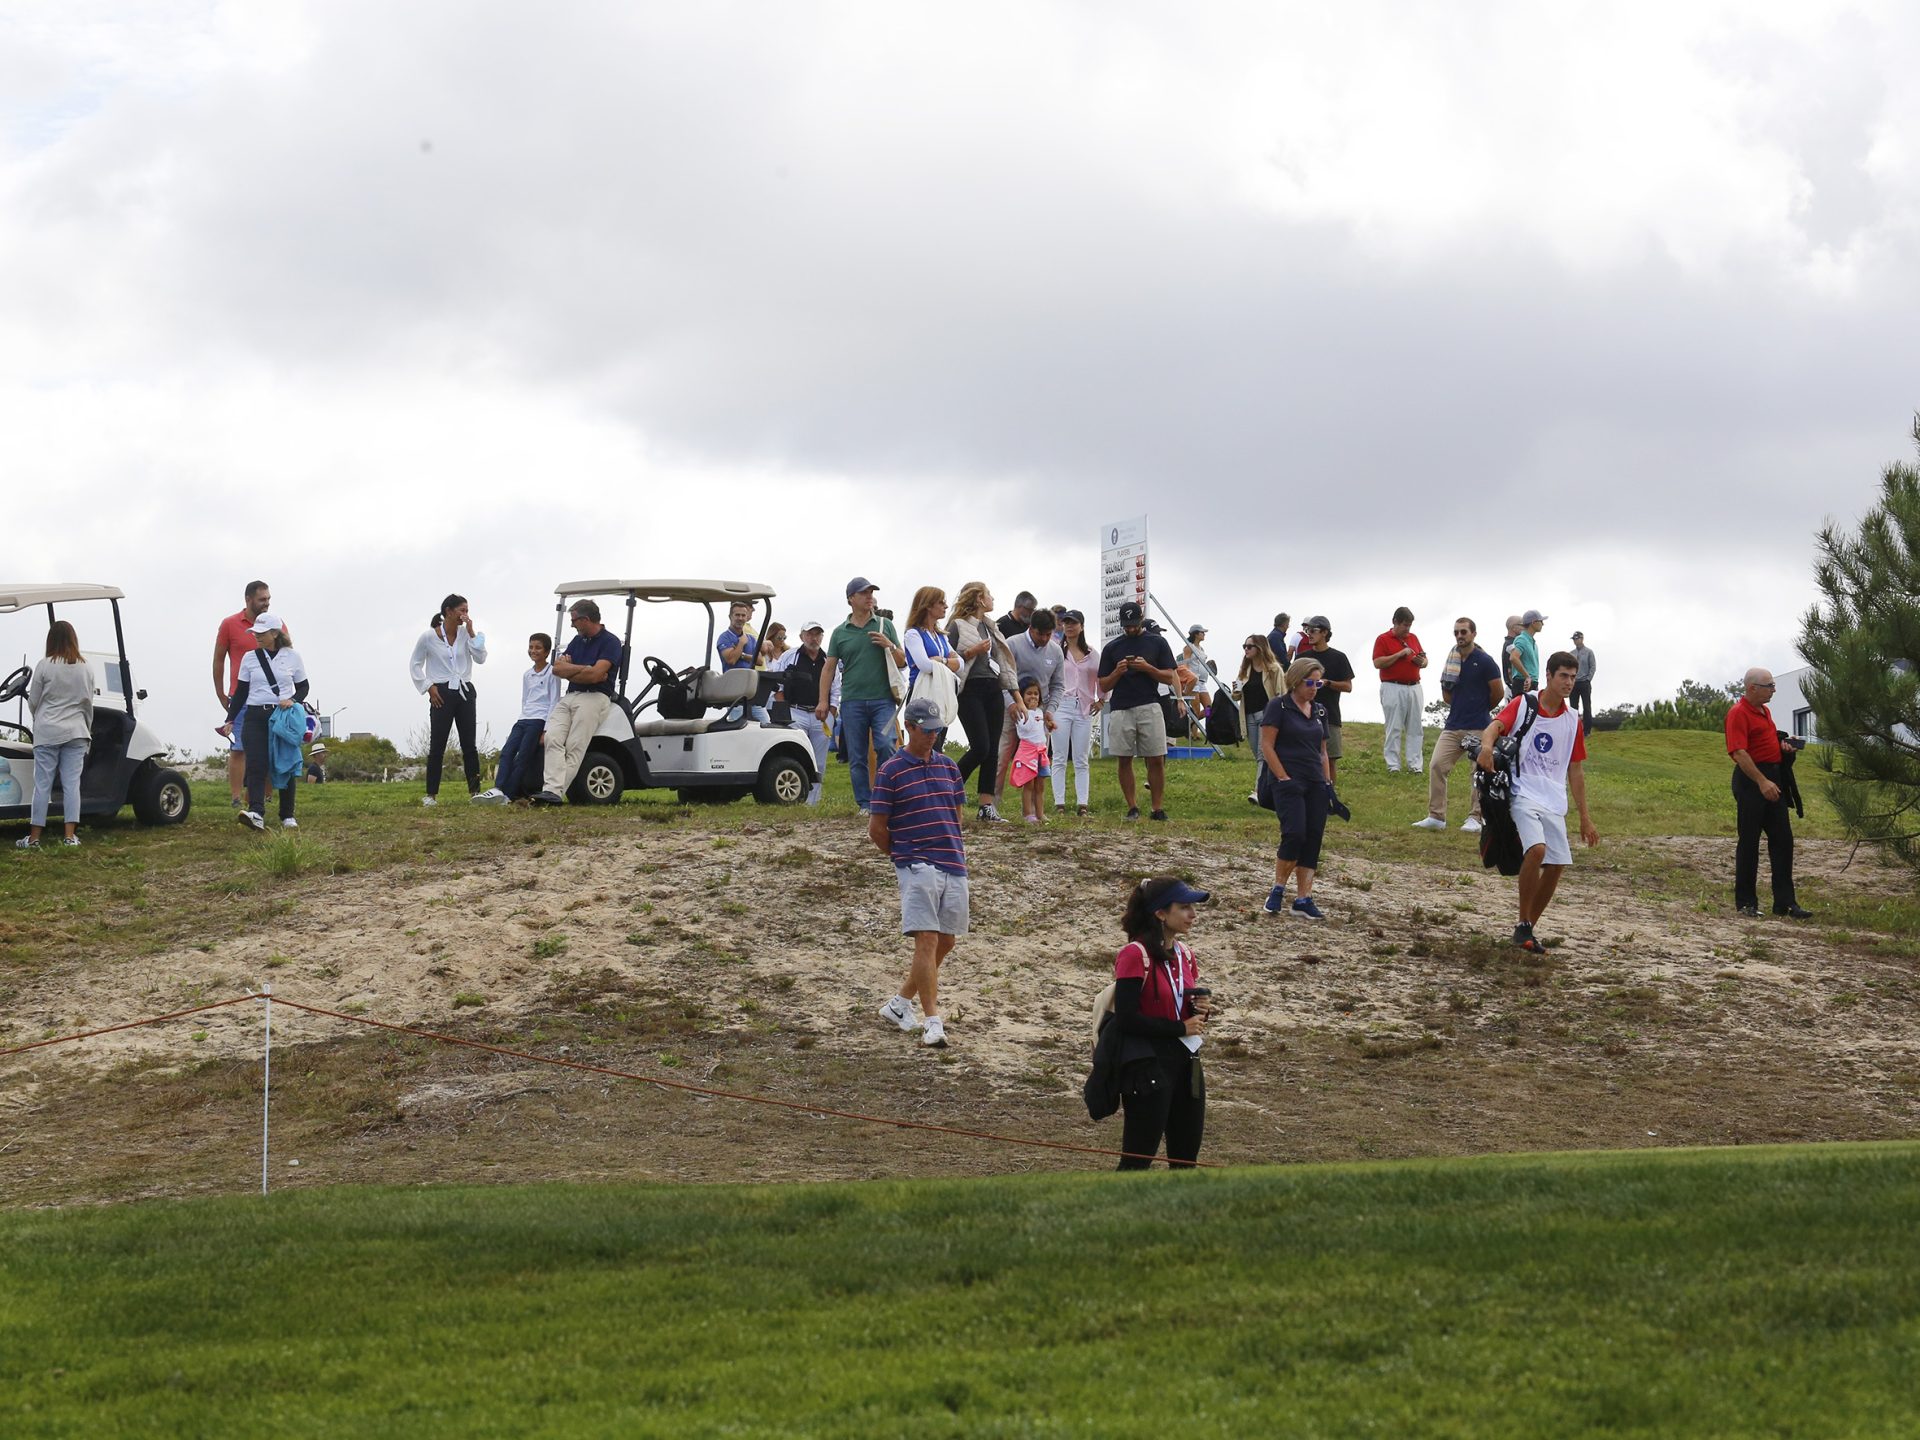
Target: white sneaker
289,823
428,800
1470,826
491,797
252,819
899,1010
1429,823
934,1034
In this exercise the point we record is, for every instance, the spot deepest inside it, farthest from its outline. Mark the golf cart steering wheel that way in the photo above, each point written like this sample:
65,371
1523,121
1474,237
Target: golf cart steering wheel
15,685
659,672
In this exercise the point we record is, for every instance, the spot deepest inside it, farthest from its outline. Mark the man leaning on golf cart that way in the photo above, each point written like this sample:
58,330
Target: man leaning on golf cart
588,665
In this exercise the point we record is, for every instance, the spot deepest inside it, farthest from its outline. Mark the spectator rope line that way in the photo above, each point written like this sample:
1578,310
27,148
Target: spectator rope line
687,1087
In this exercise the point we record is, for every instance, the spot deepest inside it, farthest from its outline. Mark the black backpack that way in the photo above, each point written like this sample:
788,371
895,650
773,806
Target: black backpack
1223,720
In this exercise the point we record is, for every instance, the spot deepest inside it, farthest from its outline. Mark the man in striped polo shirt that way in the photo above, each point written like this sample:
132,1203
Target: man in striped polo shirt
916,803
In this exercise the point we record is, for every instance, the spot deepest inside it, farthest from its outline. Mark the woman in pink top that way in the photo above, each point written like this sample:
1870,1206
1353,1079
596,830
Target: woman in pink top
1073,719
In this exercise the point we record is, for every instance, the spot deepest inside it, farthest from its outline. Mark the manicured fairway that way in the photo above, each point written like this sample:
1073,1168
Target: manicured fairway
1727,1293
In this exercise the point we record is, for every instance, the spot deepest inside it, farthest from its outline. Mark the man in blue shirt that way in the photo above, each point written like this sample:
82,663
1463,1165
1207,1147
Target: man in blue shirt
1470,684
736,645
589,665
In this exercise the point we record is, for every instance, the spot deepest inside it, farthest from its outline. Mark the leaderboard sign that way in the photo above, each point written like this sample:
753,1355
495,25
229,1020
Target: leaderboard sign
1123,571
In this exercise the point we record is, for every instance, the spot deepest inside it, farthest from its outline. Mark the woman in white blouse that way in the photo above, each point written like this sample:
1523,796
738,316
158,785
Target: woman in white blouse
1073,718
442,670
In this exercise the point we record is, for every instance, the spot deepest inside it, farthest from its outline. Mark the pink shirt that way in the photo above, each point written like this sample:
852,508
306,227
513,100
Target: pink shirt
1082,679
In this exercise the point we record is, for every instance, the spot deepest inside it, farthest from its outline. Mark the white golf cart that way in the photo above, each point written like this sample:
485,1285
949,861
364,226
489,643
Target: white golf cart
697,731
126,764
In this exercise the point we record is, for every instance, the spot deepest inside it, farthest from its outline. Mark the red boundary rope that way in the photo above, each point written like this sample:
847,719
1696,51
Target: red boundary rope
682,1085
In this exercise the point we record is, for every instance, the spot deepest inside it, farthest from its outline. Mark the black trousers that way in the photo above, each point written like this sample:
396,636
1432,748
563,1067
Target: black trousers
456,708
253,735
1301,806
1158,1099
1583,702
1756,816
983,709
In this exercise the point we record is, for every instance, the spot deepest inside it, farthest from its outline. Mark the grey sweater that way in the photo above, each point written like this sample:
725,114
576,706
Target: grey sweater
1046,663
60,695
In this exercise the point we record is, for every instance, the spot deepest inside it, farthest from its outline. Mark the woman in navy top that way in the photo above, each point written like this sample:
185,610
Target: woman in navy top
1293,754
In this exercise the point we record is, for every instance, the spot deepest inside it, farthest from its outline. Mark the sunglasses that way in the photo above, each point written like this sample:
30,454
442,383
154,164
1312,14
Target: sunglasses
1315,684
1248,647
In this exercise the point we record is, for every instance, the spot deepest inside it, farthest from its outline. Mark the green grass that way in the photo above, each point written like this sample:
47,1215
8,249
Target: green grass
1730,1293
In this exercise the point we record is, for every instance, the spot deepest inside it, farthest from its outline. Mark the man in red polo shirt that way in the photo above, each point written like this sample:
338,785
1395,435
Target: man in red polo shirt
230,646
1400,657
1760,806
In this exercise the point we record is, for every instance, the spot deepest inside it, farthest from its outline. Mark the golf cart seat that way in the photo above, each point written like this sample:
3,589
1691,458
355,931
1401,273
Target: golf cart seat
724,689
660,726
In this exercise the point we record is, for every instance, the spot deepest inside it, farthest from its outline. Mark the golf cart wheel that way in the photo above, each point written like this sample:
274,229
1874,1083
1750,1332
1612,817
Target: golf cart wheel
600,781
161,797
783,781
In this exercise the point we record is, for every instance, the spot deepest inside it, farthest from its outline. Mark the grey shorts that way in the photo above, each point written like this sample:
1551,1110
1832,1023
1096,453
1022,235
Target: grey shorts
1334,751
931,899
1140,732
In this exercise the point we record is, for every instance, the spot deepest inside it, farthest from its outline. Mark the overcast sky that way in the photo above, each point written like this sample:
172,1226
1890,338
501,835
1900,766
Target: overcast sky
1602,309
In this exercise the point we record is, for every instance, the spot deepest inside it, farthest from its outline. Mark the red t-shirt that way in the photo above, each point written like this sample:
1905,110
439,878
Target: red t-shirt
1404,671
237,631
1750,728
1165,987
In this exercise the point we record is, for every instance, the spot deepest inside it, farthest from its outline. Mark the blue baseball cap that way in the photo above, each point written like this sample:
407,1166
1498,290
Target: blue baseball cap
859,583
1177,892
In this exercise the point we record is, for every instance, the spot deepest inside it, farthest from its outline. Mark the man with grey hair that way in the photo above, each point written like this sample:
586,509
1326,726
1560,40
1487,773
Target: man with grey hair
1762,777
914,820
588,665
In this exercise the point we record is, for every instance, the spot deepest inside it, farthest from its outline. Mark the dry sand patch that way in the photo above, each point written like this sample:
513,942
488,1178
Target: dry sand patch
1402,1025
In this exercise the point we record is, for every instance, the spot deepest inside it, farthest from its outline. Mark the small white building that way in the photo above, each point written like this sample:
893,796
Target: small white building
1791,711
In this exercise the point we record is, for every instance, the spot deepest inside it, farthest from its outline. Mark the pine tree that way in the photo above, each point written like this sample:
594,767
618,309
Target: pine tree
1864,647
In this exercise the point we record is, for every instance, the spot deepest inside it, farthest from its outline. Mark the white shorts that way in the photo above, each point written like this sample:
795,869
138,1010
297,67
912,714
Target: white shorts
931,899
1543,827
1140,731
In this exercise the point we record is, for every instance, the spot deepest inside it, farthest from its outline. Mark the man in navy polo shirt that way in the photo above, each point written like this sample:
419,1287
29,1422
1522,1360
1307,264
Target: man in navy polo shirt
915,821
1132,670
589,665
1470,684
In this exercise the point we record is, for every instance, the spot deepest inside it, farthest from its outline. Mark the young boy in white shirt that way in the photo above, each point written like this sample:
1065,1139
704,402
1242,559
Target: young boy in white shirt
518,774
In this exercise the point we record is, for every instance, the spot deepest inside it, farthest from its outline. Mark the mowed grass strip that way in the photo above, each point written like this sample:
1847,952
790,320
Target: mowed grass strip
1726,1293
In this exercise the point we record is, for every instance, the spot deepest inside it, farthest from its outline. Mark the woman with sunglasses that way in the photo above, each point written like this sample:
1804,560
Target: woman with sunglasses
1293,754
1258,682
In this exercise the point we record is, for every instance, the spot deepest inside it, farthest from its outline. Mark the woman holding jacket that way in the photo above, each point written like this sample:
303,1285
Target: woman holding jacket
1162,1015
273,682
60,699
987,678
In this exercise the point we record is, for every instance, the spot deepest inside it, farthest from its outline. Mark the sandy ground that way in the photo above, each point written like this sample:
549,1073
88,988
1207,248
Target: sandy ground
1401,1025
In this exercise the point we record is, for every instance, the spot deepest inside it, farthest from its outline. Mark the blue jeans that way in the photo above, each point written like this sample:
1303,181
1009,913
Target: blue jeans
69,758
866,722
522,747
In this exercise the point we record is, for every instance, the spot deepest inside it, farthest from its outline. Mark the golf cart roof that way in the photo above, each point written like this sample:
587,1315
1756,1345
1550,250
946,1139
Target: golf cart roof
25,597
662,590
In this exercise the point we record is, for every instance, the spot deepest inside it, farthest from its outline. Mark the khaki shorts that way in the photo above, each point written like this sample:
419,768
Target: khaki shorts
1334,751
1140,732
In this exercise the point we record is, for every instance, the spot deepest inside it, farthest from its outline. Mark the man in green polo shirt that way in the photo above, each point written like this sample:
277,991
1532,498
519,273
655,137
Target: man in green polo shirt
858,651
